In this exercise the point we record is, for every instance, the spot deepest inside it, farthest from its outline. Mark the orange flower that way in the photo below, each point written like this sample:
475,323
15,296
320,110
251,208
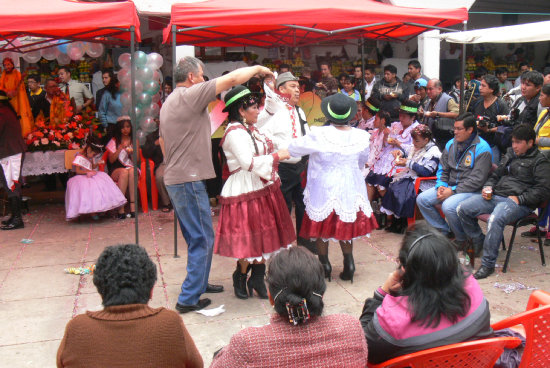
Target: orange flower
58,135
39,134
66,137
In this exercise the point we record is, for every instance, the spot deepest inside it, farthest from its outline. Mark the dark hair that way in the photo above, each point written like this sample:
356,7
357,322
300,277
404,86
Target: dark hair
523,63
456,79
415,63
34,77
410,103
433,279
234,115
524,132
49,80
65,68
346,77
304,81
117,133
94,143
324,63
501,70
390,68
295,274
492,82
124,274
546,89
534,77
423,133
286,66
384,115
469,121
546,71
479,72
112,86
370,68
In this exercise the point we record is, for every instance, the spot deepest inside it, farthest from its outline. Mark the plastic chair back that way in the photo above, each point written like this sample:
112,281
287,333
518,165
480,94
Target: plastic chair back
471,354
536,323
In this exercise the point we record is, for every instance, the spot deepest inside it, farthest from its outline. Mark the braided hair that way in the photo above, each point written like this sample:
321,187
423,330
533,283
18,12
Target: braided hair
234,115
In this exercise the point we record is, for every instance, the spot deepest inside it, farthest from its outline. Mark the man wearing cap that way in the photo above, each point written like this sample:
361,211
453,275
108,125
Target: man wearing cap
186,146
282,126
420,95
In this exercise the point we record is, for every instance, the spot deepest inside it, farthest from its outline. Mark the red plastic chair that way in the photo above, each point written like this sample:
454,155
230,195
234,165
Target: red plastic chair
471,354
417,182
143,184
536,323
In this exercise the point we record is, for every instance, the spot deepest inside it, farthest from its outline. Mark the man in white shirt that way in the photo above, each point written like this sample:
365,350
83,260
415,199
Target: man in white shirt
370,80
282,122
76,90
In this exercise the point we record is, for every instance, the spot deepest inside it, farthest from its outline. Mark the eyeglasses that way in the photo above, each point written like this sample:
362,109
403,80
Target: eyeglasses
457,129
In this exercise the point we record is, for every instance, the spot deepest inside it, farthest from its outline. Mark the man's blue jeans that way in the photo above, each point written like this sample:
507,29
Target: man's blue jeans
503,211
426,202
192,208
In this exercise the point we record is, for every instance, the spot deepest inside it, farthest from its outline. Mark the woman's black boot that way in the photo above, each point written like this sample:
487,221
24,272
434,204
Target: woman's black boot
323,258
256,281
349,267
239,283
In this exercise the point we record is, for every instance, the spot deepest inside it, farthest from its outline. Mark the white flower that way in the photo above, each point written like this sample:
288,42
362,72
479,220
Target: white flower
57,143
44,141
70,134
36,143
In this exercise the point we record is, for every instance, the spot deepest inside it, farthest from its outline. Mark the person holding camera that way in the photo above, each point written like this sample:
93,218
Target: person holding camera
486,109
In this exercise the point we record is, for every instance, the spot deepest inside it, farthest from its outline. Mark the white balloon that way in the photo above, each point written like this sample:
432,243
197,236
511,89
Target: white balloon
148,124
126,99
153,110
144,74
32,56
50,53
142,137
75,50
124,75
63,59
124,60
154,60
95,50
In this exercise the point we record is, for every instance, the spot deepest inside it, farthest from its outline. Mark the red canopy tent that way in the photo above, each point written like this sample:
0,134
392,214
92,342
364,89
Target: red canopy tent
65,19
287,22
72,20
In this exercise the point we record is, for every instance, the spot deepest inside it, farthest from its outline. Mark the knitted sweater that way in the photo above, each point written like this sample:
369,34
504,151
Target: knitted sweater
133,335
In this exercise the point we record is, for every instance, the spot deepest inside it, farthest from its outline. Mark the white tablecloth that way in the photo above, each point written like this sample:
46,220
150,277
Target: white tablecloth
39,163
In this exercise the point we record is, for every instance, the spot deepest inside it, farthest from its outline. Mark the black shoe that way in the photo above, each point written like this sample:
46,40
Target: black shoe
450,235
256,281
213,289
17,223
239,283
8,221
532,233
310,245
121,216
483,272
16,220
349,268
326,266
203,303
400,226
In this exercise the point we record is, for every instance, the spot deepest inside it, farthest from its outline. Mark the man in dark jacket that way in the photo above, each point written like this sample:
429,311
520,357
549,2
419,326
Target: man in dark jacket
391,92
519,185
463,168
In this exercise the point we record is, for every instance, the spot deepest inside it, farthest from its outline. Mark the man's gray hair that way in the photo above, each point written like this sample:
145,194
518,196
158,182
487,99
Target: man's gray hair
186,65
437,83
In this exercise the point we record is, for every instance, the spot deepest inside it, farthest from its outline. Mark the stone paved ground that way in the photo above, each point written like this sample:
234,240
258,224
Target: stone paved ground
37,298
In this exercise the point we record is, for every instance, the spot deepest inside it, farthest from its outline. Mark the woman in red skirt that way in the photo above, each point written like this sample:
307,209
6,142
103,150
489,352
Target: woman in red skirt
337,205
254,222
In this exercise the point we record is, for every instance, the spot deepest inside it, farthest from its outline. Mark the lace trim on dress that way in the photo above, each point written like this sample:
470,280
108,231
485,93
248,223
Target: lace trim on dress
352,146
318,215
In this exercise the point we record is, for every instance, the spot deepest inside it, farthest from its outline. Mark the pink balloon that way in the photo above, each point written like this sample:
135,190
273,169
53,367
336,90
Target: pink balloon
124,60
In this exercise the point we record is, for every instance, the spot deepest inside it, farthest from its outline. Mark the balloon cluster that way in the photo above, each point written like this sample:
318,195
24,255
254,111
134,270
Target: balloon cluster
147,82
64,52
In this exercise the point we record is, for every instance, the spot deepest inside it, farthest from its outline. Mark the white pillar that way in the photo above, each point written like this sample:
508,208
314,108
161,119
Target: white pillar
183,51
428,53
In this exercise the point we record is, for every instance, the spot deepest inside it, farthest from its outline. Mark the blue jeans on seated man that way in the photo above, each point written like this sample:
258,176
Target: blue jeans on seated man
192,208
426,202
503,211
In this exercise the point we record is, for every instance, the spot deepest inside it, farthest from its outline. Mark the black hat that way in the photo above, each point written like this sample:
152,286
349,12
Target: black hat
236,94
373,105
339,108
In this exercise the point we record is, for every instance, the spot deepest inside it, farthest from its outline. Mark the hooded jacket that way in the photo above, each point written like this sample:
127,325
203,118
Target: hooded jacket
526,177
467,173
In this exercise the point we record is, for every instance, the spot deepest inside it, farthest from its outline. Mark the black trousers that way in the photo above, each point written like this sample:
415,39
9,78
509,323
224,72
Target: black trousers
291,187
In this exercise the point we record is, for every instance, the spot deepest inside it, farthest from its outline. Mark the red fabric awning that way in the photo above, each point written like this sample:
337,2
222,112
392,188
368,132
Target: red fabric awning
67,19
274,23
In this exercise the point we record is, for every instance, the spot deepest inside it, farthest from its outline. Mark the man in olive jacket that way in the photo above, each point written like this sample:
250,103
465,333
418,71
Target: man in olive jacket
519,185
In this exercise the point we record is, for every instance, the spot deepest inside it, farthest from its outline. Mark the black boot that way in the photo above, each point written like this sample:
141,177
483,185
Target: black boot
256,281
16,220
8,221
349,267
239,283
400,225
308,244
323,258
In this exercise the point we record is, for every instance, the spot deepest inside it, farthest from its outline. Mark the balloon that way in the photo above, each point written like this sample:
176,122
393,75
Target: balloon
148,124
32,56
95,50
157,76
151,88
75,50
63,59
156,98
124,61
63,47
144,74
144,99
154,60
141,58
124,75
139,87
50,53
153,110
126,99
139,113
141,137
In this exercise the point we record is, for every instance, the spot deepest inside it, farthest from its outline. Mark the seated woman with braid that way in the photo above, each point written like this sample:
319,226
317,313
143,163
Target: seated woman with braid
297,335
429,301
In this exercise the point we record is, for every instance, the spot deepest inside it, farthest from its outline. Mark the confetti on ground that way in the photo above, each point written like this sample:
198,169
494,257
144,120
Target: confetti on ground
80,270
514,286
26,241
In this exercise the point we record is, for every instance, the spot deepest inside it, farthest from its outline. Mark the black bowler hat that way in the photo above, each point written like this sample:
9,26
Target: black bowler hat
236,94
339,108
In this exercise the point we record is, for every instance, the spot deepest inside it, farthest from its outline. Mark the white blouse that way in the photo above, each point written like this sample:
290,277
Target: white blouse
334,179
